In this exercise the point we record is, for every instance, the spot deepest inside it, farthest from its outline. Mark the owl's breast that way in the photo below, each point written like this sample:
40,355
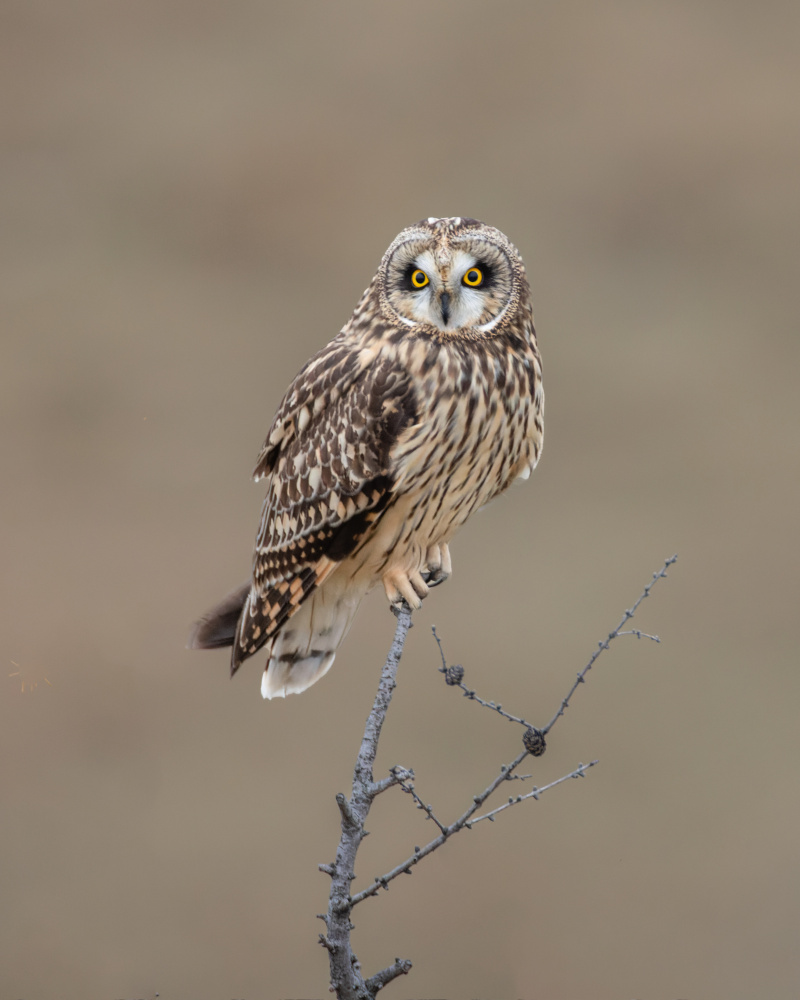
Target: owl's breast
475,432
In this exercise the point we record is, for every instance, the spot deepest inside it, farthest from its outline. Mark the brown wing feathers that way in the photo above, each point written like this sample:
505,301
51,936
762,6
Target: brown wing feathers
328,470
217,627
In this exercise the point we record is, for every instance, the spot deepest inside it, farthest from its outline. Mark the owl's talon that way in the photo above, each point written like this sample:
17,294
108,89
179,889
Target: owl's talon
438,566
399,586
421,588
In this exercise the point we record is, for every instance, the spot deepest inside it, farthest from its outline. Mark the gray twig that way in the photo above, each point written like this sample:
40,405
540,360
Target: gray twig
467,692
534,793
397,775
408,786
601,646
464,822
401,967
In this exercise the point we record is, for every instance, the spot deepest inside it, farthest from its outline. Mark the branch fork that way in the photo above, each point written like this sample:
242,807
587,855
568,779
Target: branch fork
346,979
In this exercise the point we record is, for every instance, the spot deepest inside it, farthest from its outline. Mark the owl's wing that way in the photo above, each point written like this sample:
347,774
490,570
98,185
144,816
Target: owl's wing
327,462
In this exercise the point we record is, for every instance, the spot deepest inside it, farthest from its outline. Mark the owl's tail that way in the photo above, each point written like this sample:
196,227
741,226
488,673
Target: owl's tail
304,648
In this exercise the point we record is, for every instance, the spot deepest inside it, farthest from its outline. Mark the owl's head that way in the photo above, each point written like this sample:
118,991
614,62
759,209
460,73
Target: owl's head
452,276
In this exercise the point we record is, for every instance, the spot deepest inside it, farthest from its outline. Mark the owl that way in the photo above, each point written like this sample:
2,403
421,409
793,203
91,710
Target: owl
427,405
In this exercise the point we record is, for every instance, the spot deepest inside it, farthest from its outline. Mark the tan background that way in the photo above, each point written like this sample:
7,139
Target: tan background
193,197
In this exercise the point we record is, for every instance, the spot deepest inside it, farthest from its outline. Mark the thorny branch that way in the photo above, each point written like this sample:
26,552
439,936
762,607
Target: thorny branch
346,978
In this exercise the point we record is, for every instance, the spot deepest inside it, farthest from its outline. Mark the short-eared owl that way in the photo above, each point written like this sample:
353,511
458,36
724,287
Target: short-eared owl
426,405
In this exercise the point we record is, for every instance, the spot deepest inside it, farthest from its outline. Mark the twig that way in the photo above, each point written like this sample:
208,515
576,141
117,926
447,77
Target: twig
397,775
534,793
453,677
401,967
408,787
454,674
607,642
464,822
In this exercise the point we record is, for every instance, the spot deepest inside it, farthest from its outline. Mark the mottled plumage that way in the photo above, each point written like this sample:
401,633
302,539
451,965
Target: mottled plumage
426,406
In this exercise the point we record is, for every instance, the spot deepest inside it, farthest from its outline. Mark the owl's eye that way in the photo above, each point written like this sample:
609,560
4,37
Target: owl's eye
419,279
473,277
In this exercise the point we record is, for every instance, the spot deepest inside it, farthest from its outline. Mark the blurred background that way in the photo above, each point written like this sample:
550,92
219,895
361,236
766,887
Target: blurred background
193,197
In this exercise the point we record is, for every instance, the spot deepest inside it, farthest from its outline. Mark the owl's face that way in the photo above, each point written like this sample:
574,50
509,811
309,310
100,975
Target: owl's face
451,274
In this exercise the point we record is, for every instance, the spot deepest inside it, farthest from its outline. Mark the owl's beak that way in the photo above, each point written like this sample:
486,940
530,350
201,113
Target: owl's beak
444,300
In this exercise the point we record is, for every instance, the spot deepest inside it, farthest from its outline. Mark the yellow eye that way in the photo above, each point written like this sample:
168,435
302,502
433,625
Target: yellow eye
473,277
419,279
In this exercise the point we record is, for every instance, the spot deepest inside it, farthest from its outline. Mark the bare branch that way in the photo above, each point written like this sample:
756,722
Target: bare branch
408,787
464,822
401,967
607,642
534,793
382,881
397,775
454,674
533,741
453,677
346,977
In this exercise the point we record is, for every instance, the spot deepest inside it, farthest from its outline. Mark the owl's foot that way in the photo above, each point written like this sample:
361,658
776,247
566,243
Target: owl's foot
408,587
438,566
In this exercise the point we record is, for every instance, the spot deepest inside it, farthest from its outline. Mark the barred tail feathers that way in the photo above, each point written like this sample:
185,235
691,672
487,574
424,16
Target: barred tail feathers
304,649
